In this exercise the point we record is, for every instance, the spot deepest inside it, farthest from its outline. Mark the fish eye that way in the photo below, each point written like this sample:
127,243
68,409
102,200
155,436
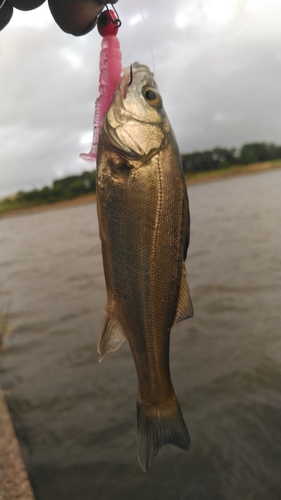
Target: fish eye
152,97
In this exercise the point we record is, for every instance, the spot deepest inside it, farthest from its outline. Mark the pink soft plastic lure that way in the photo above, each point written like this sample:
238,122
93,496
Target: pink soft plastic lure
110,74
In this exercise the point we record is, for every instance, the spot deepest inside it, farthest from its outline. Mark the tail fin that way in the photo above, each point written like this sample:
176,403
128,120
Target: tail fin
159,425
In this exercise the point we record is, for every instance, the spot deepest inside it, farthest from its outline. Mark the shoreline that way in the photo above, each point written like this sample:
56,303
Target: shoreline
80,200
200,178
235,171
14,480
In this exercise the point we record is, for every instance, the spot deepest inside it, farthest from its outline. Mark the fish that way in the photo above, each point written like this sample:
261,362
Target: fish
144,227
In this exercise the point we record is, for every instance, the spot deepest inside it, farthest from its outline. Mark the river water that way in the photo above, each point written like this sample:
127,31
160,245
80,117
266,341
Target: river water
76,418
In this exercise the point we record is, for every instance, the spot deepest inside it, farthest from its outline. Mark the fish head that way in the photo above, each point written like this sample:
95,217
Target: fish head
136,124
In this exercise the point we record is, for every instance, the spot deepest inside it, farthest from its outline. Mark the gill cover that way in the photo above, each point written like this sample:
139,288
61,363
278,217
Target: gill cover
136,124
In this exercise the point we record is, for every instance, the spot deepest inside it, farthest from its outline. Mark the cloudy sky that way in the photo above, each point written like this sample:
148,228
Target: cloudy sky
217,64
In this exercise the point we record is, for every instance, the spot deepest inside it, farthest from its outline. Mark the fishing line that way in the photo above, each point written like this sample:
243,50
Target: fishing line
115,21
4,1
148,35
175,472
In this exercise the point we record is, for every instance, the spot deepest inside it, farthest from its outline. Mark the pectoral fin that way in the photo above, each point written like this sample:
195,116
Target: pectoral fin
185,307
111,337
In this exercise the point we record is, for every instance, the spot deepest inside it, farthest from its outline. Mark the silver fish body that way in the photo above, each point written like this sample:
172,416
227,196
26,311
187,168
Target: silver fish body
144,229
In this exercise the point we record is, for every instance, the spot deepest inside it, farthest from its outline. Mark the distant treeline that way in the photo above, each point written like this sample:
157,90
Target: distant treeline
222,158
79,185
62,189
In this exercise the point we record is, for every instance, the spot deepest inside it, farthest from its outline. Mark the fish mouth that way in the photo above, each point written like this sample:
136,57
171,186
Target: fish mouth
133,75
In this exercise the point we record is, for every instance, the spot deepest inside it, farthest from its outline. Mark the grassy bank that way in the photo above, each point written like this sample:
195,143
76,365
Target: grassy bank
235,170
15,207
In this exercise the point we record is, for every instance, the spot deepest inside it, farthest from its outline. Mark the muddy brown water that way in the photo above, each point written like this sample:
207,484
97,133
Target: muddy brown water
76,418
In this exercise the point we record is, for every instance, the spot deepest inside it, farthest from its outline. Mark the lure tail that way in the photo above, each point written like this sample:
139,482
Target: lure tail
110,74
157,426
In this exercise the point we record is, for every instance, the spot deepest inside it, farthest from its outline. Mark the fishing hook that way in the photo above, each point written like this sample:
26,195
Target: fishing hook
131,75
115,21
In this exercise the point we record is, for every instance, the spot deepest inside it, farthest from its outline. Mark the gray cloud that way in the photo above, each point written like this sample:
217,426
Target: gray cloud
217,65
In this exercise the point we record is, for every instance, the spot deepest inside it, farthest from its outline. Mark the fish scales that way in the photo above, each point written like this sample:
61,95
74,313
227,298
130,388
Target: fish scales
144,229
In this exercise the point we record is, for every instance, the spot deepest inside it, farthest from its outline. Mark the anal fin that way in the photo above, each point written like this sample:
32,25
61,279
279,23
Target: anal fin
111,336
185,307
